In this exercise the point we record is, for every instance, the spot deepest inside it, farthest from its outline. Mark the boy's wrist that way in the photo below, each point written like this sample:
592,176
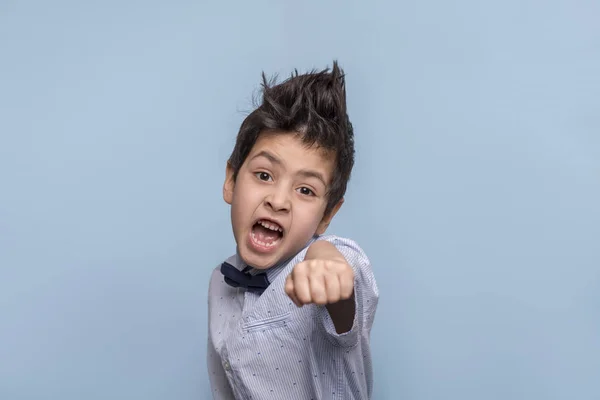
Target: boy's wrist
323,250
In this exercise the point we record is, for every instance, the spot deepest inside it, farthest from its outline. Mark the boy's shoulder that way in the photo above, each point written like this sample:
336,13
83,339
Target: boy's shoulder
343,243
232,260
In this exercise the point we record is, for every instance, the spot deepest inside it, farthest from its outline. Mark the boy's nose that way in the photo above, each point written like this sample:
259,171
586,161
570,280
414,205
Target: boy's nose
278,201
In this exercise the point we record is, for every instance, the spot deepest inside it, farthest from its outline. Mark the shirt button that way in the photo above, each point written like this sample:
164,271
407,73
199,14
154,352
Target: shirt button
227,366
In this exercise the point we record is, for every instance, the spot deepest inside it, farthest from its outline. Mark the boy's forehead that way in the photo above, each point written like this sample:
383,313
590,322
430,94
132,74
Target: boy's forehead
289,148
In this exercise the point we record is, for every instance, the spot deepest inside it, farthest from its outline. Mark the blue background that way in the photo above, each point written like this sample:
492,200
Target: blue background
476,192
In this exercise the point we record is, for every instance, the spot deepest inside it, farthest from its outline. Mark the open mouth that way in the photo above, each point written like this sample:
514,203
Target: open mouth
266,233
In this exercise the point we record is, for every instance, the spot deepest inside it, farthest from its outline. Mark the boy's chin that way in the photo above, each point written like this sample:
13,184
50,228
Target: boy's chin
259,261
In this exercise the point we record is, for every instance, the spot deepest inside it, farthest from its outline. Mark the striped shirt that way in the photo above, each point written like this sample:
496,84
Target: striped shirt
264,347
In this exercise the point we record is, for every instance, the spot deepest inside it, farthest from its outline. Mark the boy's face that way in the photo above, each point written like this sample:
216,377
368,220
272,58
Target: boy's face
279,198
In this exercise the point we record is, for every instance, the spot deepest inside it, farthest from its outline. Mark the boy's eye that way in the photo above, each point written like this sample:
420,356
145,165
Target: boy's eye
263,176
306,191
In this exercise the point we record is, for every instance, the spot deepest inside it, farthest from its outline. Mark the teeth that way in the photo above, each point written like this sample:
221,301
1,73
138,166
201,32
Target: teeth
271,226
263,243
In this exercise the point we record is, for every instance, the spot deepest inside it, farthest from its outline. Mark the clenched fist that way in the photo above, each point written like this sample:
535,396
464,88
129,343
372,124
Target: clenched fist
320,281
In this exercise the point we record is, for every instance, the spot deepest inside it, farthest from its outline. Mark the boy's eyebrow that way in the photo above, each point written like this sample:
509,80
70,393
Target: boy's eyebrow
308,173
268,156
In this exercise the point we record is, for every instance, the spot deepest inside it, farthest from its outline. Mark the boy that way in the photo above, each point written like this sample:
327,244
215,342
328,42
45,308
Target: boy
290,313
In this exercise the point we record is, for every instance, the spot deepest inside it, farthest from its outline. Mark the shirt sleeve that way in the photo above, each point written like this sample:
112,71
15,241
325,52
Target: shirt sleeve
366,295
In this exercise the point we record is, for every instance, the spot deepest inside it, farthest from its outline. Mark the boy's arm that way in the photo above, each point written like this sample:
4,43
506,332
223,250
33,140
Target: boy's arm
325,278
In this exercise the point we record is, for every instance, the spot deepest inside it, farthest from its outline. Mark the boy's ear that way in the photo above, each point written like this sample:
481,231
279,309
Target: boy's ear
228,184
324,224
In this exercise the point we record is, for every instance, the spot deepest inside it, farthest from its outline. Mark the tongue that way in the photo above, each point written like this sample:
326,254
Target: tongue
265,235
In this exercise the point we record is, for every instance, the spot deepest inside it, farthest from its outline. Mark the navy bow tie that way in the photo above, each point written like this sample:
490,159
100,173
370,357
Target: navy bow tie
236,278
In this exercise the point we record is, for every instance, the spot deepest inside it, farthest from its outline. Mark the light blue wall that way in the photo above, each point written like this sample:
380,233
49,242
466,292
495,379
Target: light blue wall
476,192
